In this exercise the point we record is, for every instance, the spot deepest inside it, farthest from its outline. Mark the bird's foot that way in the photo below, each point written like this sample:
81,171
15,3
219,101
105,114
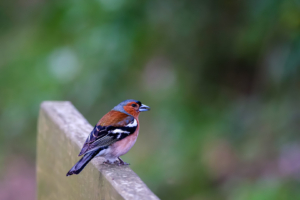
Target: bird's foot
107,162
121,162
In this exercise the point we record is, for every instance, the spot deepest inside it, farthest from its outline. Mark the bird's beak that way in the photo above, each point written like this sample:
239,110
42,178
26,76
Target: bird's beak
144,108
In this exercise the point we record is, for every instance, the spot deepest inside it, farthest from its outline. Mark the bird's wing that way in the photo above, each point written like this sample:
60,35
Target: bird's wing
103,136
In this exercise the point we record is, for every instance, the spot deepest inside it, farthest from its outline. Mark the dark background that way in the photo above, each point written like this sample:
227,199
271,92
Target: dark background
221,77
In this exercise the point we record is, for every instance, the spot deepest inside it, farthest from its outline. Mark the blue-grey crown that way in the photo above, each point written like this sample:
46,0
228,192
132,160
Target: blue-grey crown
120,108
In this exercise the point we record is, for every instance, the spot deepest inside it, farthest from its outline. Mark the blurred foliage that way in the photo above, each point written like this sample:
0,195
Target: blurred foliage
222,79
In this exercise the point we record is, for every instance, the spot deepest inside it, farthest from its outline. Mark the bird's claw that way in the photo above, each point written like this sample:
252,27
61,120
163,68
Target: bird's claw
121,163
107,162
118,162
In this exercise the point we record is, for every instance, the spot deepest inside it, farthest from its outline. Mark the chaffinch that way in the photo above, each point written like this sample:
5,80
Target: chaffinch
113,136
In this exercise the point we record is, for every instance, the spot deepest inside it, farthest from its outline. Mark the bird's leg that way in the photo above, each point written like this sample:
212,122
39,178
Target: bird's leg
122,162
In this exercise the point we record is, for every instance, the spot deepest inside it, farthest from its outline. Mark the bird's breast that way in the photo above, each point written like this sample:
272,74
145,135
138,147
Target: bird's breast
123,146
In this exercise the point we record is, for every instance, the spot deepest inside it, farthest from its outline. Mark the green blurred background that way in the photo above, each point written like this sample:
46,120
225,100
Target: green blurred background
222,79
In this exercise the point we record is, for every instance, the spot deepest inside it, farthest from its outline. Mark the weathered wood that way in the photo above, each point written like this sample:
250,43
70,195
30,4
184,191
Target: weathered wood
62,131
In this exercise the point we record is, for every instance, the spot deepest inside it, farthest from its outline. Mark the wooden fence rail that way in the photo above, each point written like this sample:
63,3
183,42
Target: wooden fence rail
62,130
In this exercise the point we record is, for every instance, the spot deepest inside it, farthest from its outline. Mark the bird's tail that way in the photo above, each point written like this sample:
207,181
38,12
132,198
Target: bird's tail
78,167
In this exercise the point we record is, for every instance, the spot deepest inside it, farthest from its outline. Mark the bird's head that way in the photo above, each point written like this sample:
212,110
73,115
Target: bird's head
131,107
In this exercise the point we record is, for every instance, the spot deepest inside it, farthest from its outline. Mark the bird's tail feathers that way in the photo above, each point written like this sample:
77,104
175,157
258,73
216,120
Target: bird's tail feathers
78,167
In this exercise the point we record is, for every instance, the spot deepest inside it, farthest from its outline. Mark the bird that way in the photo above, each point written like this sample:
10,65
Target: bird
113,136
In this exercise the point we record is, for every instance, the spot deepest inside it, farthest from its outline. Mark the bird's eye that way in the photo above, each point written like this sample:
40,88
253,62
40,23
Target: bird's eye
133,105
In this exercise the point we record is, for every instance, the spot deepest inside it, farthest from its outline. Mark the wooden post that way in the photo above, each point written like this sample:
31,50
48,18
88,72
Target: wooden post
62,130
